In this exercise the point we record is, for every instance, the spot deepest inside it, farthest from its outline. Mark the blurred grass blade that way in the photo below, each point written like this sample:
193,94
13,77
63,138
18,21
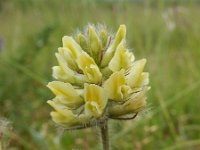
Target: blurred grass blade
184,145
26,71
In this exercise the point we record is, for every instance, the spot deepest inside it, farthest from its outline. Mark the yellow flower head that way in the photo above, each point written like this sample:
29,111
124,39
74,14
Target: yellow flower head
97,78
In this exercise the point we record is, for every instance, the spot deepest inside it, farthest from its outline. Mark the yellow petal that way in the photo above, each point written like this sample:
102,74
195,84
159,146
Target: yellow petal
65,117
68,57
66,120
94,44
115,86
121,58
59,74
95,99
62,115
125,90
69,119
89,68
65,93
104,37
82,42
93,74
84,60
62,109
65,72
121,33
63,64
143,80
135,103
135,72
71,44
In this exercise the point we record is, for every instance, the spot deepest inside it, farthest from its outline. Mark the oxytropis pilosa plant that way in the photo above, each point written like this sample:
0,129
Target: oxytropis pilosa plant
97,79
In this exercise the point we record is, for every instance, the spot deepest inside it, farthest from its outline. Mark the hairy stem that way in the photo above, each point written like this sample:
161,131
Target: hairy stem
104,135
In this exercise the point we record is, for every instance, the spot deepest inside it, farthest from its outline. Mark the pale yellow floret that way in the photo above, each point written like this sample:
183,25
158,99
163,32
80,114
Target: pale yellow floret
135,72
71,44
60,74
122,59
134,104
130,56
62,115
143,80
95,44
65,93
64,73
68,57
95,100
104,37
65,120
115,86
89,68
120,35
68,72
65,117
64,65
81,39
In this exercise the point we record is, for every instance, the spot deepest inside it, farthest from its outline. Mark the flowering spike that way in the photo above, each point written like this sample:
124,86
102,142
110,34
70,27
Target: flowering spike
98,79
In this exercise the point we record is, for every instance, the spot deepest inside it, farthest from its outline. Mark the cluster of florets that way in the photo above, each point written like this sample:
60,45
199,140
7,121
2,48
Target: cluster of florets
97,78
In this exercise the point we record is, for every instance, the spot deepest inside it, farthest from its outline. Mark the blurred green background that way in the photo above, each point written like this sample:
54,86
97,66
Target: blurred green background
166,32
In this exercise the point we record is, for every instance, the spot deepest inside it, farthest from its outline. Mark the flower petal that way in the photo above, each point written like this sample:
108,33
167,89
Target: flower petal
59,74
63,64
143,80
65,72
67,119
95,44
62,115
71,44
81,39
89,68
135,72
121,33
68,57
115,86
135,103
95,99
104,37
65,93
121,58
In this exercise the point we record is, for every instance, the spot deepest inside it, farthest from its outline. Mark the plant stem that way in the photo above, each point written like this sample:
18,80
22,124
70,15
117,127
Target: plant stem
104,135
